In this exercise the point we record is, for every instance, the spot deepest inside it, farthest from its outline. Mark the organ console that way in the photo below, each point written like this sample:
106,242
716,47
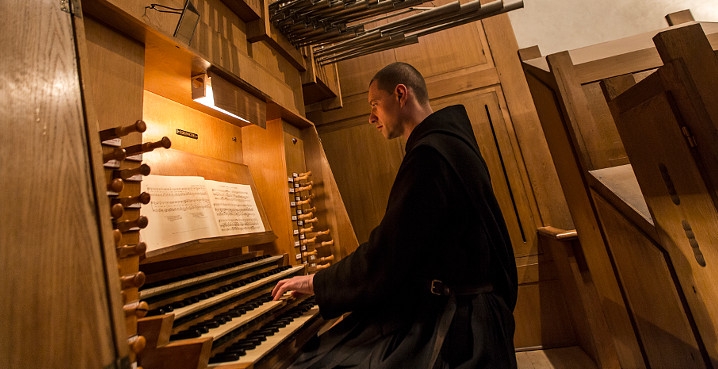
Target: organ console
207,303
124,66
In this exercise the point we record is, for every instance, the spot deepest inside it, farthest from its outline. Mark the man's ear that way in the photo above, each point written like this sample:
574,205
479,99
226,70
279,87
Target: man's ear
400,91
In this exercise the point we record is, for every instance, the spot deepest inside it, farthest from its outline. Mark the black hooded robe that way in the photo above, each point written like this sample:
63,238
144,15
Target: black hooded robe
442,222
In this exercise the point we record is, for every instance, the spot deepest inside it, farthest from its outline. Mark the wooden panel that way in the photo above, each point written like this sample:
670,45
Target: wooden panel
247,10
433,56
600,135
169,73
263,31
675,189
345,239
220,42
216,138
579,129
523,121
618,185
665,330
264,154
364,176
679,17
559,358
553,106
436,54
320,83
117,96
294,154
627,55
495,141
577,109
355,74
117,99
591,330
540,315
220,35
696,90
467,79
60,304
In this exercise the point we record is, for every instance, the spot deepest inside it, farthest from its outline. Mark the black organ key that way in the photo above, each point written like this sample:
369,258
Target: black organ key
231,356
194,333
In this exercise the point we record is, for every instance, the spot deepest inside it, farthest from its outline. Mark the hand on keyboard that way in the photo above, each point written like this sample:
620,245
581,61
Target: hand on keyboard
298,285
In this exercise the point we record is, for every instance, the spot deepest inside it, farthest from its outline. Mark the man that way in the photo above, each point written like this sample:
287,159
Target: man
435,286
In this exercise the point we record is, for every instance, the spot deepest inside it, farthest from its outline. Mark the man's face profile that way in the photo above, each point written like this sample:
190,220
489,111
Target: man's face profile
384,111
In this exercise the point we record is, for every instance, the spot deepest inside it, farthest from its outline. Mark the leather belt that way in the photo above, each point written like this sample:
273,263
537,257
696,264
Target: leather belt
439,288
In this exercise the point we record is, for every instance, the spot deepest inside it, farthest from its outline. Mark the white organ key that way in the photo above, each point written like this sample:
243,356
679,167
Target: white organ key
149,292
257,353
189,309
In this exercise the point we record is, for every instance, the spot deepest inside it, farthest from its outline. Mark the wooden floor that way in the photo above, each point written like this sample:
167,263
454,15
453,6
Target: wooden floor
560,358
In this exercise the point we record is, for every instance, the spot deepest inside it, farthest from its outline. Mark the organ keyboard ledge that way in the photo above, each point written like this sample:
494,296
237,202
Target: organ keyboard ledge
225,316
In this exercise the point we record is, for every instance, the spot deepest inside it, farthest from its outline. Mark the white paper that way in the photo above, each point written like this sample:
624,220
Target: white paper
187,208
234,208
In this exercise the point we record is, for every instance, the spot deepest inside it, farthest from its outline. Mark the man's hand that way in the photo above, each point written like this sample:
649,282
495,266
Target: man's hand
298,285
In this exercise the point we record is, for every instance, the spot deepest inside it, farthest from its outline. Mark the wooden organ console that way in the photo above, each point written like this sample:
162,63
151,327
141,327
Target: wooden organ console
107,82
206,303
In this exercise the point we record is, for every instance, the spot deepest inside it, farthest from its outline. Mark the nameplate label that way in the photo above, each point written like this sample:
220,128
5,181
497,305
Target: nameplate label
182,132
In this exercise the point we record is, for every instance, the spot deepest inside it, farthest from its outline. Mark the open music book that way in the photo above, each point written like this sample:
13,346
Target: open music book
187,208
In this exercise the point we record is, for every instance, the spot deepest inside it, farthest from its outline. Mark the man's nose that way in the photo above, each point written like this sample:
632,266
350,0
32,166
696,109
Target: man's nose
372,118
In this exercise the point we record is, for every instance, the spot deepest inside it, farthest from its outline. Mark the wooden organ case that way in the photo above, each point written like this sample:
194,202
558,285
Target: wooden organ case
60,287
192,304
638,171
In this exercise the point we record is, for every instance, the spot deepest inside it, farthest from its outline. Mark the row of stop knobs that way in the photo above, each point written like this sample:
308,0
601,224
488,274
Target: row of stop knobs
123,173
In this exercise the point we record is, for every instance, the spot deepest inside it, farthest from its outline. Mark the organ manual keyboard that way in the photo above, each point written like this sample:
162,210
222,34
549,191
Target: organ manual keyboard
208,300
225,316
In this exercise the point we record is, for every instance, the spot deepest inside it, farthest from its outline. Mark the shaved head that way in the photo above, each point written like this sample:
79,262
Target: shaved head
402,73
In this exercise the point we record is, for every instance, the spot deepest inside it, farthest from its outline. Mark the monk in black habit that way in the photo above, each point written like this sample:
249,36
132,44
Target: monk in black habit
435,286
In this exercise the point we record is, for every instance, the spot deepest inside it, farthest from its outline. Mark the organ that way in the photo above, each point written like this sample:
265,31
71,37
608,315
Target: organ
205,302
109,77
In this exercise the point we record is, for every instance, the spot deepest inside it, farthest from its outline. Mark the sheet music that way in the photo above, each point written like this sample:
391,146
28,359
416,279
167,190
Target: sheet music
234,208
187,208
